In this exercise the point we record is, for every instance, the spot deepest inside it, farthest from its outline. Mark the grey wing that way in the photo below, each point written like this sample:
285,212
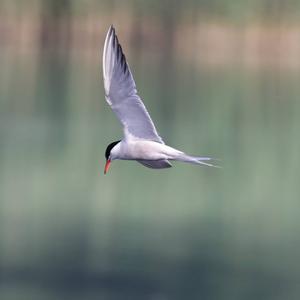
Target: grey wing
156,164
121,93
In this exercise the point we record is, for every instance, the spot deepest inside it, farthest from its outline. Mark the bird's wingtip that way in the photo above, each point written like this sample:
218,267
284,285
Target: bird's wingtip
111,28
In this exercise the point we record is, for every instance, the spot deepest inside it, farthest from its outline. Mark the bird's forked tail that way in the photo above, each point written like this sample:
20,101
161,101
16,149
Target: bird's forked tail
198,160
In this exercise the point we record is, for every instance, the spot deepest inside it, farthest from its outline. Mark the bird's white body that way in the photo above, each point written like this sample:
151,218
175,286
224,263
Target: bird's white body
152,154
143,150
141,141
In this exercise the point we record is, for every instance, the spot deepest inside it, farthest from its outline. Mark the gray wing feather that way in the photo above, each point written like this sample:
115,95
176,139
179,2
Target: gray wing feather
156,164
121,93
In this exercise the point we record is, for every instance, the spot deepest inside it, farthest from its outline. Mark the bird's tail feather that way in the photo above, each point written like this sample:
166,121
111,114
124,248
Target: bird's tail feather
198,160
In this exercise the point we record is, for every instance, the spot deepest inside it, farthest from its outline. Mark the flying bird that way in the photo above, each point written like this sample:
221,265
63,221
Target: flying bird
141,142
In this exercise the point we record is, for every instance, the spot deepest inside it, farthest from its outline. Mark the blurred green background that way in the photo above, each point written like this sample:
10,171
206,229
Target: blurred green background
219,78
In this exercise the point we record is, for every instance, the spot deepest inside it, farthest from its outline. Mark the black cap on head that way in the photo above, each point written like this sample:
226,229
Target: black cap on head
109,147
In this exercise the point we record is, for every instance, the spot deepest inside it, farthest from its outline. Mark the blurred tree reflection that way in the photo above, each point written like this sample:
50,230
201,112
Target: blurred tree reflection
55,39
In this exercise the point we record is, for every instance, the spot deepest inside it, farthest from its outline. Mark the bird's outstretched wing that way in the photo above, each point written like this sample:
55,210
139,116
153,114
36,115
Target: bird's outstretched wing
121,93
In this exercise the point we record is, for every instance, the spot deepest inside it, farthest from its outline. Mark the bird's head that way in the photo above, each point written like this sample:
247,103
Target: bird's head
110,155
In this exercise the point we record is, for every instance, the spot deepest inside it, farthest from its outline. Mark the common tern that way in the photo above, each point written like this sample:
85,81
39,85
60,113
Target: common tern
141,141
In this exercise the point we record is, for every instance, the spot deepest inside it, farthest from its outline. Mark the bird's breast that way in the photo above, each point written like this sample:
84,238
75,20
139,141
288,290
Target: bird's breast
147,150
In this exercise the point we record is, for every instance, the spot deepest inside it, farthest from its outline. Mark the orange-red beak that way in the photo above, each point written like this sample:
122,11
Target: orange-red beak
107,166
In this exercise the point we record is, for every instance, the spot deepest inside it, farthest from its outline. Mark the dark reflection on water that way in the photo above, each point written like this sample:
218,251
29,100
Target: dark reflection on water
191,279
